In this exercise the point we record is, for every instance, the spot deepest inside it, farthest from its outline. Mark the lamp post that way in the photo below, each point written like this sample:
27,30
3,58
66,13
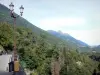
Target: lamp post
14,17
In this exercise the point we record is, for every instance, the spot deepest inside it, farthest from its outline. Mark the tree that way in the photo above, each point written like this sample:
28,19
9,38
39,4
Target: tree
99,67
6,36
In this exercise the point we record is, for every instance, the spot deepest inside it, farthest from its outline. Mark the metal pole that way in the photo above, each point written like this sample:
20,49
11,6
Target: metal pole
15,52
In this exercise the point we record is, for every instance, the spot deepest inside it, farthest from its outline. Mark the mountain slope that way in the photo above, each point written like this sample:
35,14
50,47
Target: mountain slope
5,17
67,37
71,41
96,48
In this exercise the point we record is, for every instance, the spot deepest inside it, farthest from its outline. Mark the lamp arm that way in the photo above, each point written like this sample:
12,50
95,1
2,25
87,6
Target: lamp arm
13,16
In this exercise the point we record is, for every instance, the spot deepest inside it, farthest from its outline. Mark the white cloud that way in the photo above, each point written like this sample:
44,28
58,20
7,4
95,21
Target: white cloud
54,23
91,37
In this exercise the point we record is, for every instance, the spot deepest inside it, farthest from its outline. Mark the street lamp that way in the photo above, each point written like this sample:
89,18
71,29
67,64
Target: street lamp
12,10
11,7
21,10
14,17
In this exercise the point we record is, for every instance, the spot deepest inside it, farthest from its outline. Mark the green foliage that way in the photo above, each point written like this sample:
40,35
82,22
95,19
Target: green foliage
1,48
36,53
71,67
6,33
99,67
5,17
34,73
37,48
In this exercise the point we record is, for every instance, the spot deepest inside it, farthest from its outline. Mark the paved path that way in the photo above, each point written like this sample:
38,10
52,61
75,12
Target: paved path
5,73
4,60
4,68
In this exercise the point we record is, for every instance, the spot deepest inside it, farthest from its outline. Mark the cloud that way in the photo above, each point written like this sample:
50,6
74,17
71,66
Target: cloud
85,30
61,22
91,37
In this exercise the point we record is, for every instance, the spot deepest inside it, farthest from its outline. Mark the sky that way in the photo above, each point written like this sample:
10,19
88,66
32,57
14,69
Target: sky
79,18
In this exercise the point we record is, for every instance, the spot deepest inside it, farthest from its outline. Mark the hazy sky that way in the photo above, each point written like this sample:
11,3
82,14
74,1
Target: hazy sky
79,18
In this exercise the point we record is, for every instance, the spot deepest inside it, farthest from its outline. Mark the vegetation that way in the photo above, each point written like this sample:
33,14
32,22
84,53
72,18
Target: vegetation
72,43
6,36
37,54
42,53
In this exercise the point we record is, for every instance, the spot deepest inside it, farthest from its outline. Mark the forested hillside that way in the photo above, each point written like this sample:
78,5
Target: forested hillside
5,17
68,38
74,43
96,48
39,55
41,52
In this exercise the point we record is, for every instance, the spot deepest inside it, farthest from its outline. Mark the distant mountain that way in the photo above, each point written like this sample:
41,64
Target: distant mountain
68,38
60,38
20,21
96,48
71,40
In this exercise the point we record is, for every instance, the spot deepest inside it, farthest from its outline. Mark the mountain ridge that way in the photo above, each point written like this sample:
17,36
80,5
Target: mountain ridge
24,23
81,46
67,36
37,31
